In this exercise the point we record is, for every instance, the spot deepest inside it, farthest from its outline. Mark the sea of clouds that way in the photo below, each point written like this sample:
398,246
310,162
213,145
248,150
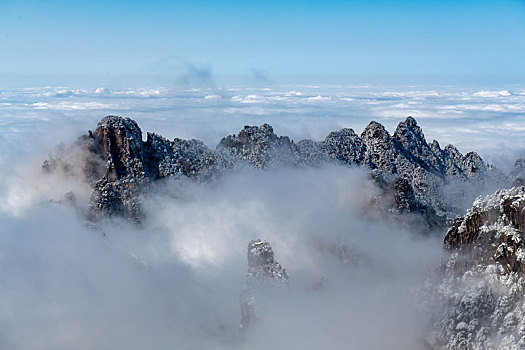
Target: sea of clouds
175,280
486,121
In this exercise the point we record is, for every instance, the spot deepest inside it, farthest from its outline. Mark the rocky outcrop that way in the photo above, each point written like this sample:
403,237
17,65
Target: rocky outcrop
120,165
118,142
259,146
345,146
492,231
480,290
400,154
264,276
184,158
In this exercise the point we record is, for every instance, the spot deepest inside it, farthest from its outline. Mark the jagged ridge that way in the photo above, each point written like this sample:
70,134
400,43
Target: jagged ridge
121,166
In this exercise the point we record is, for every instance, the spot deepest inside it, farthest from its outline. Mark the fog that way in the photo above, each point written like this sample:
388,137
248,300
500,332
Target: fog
175,280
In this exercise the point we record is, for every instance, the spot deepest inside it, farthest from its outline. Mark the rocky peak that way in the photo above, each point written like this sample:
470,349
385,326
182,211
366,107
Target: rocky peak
434,146
345,146
381,151
119,165
343,133
465,166
264,131
409,130
120,140
125,127
375,134
261,262
259,146
410,122
411,137
265,275
453,151
260,253
474,163
250,136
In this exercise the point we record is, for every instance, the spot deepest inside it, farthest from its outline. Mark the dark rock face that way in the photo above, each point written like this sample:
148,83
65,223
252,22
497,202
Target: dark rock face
264,275
119,142
120,166
405,202
492,231
404,196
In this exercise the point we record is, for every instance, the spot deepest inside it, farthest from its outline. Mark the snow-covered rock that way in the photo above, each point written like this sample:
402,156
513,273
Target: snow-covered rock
264,276
480,289
120,166
492,231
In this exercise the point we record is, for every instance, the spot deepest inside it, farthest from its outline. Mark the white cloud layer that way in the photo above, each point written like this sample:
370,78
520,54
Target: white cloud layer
175,281
488,122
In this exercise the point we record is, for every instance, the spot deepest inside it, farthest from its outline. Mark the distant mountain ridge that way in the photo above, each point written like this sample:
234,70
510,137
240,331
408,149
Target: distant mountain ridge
120,165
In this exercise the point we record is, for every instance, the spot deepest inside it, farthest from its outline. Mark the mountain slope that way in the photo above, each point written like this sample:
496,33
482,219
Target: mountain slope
481,288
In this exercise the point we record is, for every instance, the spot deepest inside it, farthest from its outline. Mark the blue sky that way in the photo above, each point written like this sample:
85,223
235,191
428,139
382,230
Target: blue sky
210,42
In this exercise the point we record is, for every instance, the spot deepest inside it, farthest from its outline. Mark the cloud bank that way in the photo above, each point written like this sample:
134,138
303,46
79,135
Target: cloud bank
483,121
175,280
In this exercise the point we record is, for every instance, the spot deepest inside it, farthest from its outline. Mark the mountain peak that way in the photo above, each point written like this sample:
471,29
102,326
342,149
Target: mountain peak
263,273
408,131
410,121
375,132
123,165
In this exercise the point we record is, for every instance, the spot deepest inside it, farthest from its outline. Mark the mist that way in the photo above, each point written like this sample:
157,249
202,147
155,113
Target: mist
175,280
